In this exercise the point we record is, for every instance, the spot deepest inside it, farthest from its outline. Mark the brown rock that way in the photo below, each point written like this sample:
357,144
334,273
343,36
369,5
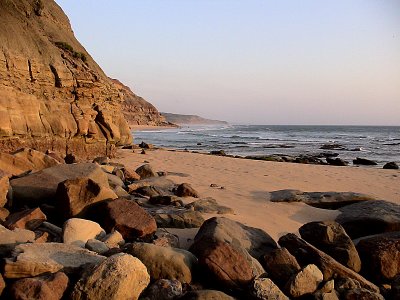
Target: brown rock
38,159
369,217
2,284
4,213
146,171
164,263
113,239
46,287
360,294
206,295
331,238
131,175
177,218
186,190
14,165
125,216
41,187
4,185
119,277
164,289
96,246
265,289
380,256
74,196
10,238
305,281
27,219
209,205
78,231
280,265
306,253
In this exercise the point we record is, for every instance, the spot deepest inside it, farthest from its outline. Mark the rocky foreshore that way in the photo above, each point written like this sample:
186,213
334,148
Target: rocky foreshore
102,230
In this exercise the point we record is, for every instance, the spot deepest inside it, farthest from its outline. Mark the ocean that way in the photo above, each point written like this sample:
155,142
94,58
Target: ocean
377,143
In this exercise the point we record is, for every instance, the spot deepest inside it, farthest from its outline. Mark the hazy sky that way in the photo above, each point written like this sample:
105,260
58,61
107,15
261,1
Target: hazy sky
259,62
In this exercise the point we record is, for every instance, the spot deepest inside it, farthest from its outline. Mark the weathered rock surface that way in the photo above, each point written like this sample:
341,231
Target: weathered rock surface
10,238
46,287
206,295
30,260
266,289
78,231
164,289
209,205
53,94
280,265
41,187
27,219
336,161
380,256
125,216
326,200
305,281
370,217
306,253
39,160
164,263
176,218
96,246
146,171
363,161
186,190
359,294
119,277
75,196
391,165
114,239
4,186
331,238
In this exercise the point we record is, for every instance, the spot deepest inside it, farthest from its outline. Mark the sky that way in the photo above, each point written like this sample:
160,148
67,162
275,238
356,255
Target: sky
251,61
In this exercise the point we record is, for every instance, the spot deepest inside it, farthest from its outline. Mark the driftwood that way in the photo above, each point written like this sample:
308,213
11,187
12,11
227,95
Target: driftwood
306,253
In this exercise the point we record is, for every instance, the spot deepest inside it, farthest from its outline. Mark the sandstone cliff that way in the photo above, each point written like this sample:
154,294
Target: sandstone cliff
53,95
136,110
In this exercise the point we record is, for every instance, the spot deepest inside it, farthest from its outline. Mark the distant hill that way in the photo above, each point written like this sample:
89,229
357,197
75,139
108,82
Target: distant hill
190,119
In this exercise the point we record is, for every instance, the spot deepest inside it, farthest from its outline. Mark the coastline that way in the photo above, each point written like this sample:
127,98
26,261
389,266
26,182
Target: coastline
151,127
247,182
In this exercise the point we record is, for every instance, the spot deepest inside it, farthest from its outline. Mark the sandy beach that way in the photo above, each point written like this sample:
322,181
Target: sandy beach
246,183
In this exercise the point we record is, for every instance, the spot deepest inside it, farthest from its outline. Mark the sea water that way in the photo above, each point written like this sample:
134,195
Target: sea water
378,143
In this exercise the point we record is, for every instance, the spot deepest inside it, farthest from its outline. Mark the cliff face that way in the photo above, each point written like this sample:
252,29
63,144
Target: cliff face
136,110
53,95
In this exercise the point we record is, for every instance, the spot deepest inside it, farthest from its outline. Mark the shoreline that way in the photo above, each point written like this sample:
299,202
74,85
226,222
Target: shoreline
151,127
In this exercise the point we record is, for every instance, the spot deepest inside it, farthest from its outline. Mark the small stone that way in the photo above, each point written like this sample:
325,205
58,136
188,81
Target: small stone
4,213
131,175
96,246
42,237
265,289
304,282
108,169
78,231
113,240
10,238
166,239
146,171
186,190
164,289
27,219
391,165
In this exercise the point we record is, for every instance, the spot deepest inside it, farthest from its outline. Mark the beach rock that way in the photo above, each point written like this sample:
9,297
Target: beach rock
186,190
218,152
119,277
39,160
363,161
115,181
152,191
370,217
306,253
130,175
70,158
336,161
391,165
360,294
165,239
2,284
325,200
125,216
10,238
254,240
160,183
280,265
164,289
166,200
14,166
41,187
331,238
164,263
107,169
209,205
30,260
266,289
113,239
74,196
145,145
177,218
119,173
333,146
96,246
4,186
206,295
45,287
308,159
305,281
27,219
146,171
4,213
380,256
78,231
101,160
120,192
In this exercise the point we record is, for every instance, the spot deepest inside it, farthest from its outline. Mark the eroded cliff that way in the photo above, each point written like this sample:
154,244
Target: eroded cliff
53,95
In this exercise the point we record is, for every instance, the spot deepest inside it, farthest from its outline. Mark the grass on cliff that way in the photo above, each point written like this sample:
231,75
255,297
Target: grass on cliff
67,47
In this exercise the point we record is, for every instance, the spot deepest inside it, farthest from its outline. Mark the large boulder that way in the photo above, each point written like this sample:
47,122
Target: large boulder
39,160
391,165
370,217
164,263
306,253
14,165
380,256
331,238
78,231
41,187
119,277
30,260
45,287
27,219
326,200
364,161
10,238
177,218
280,265
125,216
4,186
304,282
75,196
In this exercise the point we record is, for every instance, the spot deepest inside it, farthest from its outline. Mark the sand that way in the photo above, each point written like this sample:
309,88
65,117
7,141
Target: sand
246,183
